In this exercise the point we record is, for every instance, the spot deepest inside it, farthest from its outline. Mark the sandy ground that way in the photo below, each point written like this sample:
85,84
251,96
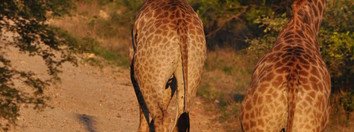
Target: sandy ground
101,99
91,99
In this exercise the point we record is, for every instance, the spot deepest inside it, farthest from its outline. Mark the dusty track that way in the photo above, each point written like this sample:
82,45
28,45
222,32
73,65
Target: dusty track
90,98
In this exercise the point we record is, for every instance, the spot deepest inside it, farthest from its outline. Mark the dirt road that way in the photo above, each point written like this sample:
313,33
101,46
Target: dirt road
87,99
90,99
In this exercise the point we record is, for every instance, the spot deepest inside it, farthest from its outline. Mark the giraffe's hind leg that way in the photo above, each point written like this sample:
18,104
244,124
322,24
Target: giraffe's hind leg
170,103
157,97
155,109
144,123
165,122
261,112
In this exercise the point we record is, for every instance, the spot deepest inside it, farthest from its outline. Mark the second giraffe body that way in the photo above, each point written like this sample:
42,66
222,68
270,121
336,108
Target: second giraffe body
168,42
290,86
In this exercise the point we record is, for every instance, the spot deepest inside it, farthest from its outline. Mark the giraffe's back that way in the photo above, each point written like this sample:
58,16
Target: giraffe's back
158,39
291,85
278,72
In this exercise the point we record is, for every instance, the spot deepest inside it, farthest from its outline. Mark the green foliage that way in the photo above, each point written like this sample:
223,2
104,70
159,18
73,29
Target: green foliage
228,23
221,18
348,102
339,16
212,11
338,49
271,26
337,44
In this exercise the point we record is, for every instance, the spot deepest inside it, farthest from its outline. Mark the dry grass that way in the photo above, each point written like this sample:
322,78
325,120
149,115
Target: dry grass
96,26
340,120
89,19
226,77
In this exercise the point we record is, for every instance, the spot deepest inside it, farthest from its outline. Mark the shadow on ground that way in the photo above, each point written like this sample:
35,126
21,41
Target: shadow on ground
87,121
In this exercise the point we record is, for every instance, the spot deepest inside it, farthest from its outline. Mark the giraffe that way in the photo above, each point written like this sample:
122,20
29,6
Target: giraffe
290,86
168,46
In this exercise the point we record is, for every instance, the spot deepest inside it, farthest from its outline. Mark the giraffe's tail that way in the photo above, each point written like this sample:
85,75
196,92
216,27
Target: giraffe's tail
182,31
183,42
292,89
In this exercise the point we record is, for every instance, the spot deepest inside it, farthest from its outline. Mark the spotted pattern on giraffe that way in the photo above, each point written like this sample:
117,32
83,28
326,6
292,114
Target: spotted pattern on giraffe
290,86
168,42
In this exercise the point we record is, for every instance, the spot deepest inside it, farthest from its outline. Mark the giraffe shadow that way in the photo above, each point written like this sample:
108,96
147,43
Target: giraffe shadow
87,121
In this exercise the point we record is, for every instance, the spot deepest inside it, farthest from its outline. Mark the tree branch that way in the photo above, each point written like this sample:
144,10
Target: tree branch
225,22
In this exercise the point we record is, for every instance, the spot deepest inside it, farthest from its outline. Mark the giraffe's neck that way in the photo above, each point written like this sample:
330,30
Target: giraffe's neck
303,27
308,13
